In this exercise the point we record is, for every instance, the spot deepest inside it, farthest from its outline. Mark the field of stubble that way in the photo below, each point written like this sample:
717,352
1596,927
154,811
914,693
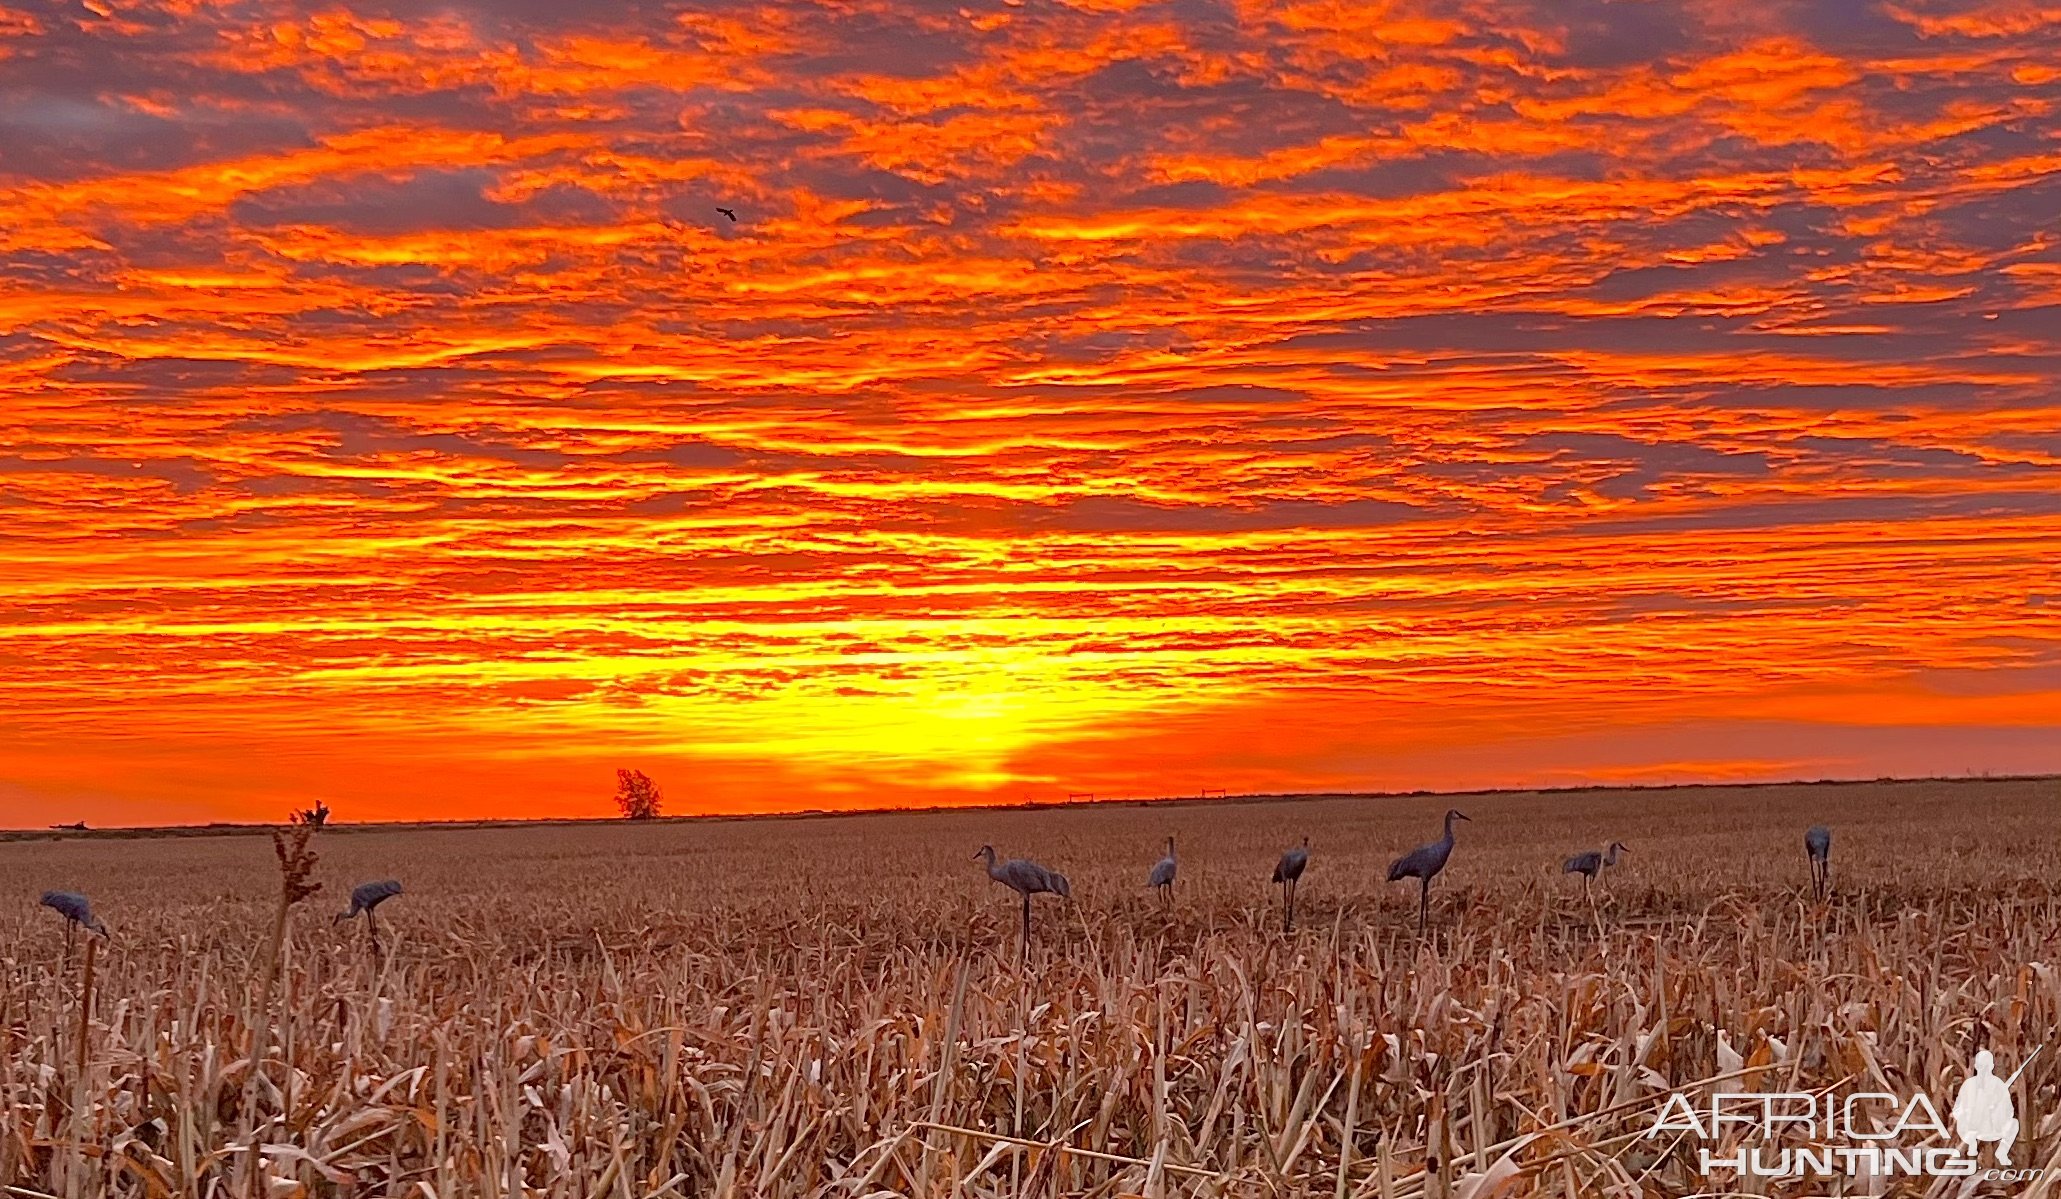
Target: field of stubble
837,1006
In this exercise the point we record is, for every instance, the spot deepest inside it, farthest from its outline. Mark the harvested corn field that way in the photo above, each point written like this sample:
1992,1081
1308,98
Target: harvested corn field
840,1006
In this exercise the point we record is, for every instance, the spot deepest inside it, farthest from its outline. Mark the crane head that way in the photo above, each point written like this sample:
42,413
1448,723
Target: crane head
1456,814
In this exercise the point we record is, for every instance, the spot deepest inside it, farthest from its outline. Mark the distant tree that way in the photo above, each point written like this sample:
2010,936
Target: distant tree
637,796
316,816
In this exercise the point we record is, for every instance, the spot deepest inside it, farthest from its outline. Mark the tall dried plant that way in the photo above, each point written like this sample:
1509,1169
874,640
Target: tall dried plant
80,1114
296,883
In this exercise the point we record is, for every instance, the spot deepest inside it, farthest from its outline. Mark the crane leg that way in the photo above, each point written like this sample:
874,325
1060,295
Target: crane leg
1423,904
1026,926
1288,892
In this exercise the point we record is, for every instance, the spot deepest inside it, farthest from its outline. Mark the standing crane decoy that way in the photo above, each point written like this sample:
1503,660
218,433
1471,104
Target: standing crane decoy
1162,876
367,896
1424,864
1594,862
1287,872
1818,844
1027,878
77,911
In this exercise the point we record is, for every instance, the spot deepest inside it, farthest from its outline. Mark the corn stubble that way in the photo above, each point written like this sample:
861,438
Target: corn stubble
835,1007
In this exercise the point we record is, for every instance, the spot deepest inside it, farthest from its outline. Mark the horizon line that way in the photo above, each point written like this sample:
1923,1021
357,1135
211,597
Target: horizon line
241,828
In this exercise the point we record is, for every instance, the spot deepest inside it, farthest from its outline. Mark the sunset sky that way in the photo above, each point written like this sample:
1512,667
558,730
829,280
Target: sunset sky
1104,397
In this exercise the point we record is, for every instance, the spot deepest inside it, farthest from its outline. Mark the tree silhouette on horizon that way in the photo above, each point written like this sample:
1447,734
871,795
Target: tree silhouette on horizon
637,795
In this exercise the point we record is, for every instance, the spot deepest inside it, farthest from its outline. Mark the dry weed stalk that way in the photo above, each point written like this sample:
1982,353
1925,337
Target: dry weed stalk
81,1122
297,862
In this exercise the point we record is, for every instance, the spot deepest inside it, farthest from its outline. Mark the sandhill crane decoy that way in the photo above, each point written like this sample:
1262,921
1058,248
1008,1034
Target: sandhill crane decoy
367,896
1817,843
1287,872
77,911
1162,876
729,212
1594,862
1424,863
1027,878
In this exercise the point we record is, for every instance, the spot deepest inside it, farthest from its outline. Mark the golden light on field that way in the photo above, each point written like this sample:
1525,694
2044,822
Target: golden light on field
1113,398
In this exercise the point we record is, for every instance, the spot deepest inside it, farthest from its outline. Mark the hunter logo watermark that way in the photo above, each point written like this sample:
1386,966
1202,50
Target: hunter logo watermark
1862,1134
1983,1110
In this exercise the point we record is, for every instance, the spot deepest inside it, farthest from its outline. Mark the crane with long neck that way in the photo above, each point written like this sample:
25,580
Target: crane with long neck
1026,878
1594,862
1424,864
1288,873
